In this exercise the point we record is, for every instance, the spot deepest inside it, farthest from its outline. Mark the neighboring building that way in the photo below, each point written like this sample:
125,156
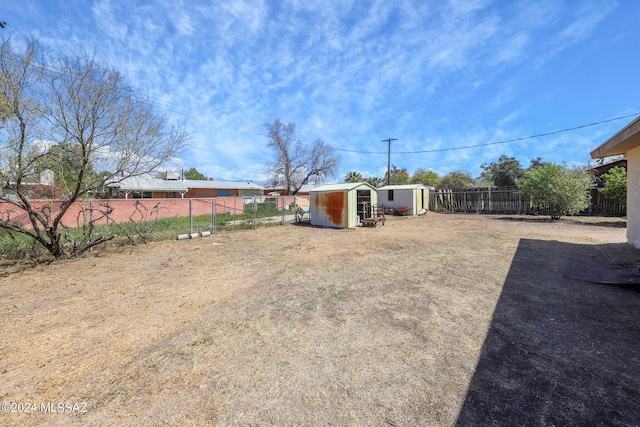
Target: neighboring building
413,197
341,205
281,191
605,165
222,189
627,142
147,187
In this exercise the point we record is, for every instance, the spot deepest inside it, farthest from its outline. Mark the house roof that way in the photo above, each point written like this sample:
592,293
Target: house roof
223,185
348,186
403,187
626,139
145,183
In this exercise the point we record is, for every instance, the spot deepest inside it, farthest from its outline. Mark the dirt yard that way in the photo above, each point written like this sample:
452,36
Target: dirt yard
435,321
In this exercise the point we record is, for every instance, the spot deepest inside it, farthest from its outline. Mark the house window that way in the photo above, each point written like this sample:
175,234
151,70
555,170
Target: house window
390,195
171,194
114,192
223,193
142,195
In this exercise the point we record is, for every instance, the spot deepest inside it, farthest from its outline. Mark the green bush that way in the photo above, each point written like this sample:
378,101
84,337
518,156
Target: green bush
565,191
615,184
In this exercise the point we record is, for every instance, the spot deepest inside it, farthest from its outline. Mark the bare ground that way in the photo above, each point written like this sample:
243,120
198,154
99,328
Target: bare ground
438,320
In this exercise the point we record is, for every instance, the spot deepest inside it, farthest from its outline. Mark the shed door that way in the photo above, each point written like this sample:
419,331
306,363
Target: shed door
420,196
364,203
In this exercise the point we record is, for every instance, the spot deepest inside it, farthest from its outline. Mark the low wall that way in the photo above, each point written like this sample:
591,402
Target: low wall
122,210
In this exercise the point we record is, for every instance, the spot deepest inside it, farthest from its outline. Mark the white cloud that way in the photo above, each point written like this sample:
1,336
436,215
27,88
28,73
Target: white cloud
432,73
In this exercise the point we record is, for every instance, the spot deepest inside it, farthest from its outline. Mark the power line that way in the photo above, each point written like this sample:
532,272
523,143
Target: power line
520,138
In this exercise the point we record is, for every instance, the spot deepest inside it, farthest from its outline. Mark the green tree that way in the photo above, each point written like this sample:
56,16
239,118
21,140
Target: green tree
615,184
353,176
398,176
536,163
375,181
425,177
456,180
563,190
194,174
502,173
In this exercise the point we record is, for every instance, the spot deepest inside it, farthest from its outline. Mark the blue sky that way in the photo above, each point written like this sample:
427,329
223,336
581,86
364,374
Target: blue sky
434,74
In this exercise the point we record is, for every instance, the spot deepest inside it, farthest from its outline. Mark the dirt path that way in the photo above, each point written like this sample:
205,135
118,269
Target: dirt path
403,324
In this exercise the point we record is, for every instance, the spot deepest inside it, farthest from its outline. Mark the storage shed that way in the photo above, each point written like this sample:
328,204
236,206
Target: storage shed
413,197
341,205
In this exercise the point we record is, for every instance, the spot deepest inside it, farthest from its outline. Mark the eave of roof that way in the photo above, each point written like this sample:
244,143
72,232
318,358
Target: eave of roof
225,185
343,187
402,187
625,140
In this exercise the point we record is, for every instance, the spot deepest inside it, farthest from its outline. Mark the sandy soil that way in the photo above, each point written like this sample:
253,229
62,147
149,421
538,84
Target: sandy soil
438,320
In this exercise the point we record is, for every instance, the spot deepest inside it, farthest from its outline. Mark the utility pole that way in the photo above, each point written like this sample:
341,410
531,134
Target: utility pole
389,158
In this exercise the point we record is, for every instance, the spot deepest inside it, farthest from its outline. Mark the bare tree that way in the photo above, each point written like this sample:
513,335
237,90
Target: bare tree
296,163
75,117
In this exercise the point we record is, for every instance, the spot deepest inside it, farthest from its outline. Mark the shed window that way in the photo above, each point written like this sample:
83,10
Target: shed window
390,195
223,193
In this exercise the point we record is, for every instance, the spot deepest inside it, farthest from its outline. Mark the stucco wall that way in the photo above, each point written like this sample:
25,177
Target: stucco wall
633,197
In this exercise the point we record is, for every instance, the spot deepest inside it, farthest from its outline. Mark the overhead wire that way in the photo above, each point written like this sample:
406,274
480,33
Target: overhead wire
264,133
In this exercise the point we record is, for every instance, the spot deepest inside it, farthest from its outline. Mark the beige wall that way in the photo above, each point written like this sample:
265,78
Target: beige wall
633,197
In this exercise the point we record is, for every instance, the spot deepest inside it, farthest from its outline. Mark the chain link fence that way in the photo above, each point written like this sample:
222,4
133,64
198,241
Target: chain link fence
145,220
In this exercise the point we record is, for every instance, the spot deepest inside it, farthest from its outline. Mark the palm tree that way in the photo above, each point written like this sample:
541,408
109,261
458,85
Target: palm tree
375,181
353,176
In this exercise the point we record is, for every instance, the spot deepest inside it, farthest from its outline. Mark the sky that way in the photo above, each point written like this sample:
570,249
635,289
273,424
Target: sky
435,75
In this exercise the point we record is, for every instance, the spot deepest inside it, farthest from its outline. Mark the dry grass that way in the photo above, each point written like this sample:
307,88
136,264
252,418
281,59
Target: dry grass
280,326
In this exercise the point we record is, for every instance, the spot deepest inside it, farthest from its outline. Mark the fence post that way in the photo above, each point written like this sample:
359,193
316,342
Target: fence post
284,211
213,215
254,209
190,218
91,222
490,201
519,203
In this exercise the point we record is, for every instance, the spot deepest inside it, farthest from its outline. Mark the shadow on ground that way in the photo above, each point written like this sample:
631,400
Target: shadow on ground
559,351
613,222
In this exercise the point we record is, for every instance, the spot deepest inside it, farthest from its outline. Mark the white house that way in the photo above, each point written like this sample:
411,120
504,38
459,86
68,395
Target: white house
627,143
149,187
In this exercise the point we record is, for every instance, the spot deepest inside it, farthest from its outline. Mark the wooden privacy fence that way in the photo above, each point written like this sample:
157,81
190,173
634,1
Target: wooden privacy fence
509,200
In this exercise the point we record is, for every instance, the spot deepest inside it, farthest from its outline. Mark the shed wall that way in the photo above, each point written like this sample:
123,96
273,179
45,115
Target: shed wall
329,209
633,197
408,198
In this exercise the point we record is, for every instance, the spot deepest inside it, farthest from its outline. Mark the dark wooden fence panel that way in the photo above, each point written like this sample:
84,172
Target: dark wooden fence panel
509,200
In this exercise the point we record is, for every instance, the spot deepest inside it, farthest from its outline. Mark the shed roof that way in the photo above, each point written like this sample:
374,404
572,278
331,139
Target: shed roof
626,139
347,186
403,187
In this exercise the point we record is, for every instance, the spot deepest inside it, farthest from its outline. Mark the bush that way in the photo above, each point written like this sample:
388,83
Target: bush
564,190
615,184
